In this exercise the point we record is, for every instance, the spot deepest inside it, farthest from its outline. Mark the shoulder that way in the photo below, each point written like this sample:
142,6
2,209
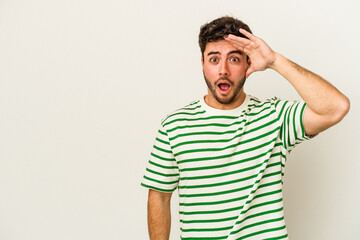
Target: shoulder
259,104
191,109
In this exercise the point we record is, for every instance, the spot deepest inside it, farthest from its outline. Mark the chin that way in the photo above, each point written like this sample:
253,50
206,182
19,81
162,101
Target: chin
225,100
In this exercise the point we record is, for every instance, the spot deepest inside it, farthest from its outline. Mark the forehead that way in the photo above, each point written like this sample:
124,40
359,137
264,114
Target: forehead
222,46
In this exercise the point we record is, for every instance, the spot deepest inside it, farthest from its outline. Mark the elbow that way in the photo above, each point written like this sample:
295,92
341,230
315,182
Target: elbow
342,109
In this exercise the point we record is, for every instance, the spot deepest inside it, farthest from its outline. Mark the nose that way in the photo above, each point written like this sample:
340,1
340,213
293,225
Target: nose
224,70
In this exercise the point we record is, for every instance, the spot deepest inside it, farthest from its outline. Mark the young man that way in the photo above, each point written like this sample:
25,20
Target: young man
226,152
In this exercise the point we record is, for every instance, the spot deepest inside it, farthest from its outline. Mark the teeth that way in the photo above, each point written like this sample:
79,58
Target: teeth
224,86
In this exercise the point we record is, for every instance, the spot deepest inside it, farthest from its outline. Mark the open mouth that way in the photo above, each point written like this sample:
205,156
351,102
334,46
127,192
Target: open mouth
224,88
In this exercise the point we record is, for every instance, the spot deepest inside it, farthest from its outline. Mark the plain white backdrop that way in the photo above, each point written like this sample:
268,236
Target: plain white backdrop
84,85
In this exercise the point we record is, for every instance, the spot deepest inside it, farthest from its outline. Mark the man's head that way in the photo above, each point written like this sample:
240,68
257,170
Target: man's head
219,28
224,66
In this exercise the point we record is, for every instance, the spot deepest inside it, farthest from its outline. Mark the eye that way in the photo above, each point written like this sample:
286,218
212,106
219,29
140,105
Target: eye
213,60
234,59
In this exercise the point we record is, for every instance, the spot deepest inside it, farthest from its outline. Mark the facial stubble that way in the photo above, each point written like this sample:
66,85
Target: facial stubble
237,89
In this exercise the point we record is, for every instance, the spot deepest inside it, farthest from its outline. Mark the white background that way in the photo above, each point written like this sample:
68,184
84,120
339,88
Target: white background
84,85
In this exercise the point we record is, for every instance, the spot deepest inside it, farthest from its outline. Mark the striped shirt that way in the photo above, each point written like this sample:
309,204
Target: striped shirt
228,166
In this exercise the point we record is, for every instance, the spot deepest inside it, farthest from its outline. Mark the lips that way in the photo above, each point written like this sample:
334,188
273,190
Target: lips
224,87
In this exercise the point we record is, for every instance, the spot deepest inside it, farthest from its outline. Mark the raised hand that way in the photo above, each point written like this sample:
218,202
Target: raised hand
260,54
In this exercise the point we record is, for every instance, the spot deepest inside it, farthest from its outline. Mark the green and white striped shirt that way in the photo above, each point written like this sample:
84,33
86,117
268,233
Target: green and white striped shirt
228,166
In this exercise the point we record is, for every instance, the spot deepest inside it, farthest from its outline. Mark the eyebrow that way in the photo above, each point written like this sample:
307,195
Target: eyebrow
235,51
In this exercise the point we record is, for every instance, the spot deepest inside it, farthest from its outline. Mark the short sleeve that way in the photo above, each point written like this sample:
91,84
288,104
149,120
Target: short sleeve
290,116
162,172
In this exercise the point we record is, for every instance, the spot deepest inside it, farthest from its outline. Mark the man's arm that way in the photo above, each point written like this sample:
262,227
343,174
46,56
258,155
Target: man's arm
326,105
159,217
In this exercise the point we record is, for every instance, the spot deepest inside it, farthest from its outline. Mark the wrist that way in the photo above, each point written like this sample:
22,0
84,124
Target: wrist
278,59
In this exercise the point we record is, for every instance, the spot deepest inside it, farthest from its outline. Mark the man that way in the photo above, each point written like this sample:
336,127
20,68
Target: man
226,152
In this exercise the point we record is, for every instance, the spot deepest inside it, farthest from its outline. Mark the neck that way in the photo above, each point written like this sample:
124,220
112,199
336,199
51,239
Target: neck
212,102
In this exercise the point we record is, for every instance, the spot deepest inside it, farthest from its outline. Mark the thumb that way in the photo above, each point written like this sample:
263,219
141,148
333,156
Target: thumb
249,71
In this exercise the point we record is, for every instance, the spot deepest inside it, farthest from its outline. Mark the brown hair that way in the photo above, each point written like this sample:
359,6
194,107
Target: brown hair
219,28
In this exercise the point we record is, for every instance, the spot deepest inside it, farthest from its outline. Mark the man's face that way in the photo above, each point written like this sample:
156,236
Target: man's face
224,69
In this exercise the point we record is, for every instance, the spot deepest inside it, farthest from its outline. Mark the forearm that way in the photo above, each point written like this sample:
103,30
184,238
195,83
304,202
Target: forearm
159,216
322,97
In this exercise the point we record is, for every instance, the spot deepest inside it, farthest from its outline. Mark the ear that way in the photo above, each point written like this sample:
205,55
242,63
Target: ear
249,69
202,61
248,61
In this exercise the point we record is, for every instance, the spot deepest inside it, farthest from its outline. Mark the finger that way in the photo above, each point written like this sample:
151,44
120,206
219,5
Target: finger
236,45
248,72
247,34
242,40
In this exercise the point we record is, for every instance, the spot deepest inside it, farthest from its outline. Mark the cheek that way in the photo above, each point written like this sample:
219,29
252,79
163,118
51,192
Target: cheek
210,71
239,70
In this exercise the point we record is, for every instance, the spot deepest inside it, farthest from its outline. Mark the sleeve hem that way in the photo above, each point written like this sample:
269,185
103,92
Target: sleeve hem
157,189
304,135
